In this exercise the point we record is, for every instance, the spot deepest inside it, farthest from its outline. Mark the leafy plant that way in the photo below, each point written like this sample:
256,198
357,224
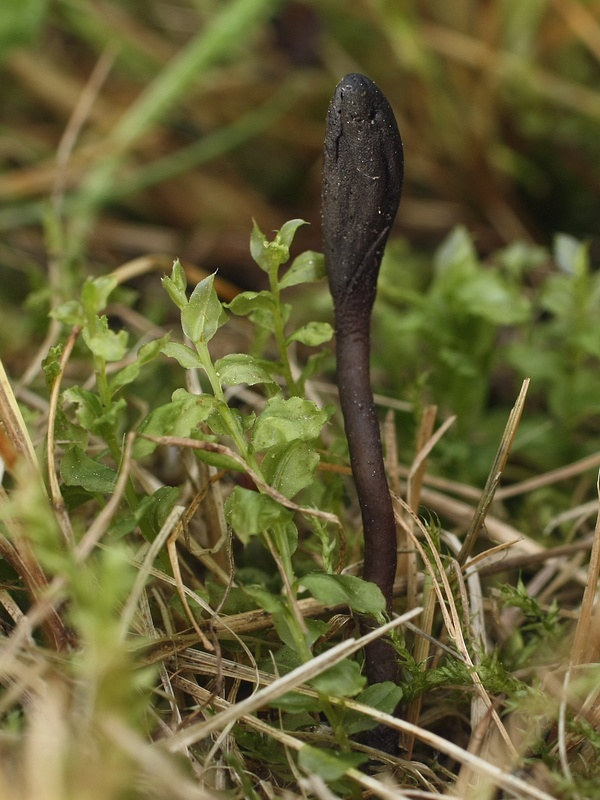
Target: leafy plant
128,611
472,329
277,446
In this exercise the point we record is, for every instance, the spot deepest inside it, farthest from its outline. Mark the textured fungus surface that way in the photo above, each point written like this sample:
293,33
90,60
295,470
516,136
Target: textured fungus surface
362,183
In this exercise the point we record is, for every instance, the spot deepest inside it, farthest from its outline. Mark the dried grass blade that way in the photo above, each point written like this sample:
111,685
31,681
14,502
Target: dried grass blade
14,424
306,672
495,475
586,646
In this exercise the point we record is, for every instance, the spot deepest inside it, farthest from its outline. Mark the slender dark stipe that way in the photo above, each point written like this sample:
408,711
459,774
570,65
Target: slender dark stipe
362,183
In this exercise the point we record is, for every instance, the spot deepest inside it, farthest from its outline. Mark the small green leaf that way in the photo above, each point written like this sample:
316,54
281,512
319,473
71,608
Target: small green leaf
203,315
285,235
78,469
328,764
88,404
293,702
571,255
274,605
247,302
308,267
287,632
268,601
219,422
176,285
95,293
290,467
312,334
359,595
250,513
147,353
51,364
239,368
178,276
91,414
153,511
344,679
68,432
488,296
456,248
218,460
187,358
282,421
382,696
259,307
258,247
104,343
69,313
178,418
270,255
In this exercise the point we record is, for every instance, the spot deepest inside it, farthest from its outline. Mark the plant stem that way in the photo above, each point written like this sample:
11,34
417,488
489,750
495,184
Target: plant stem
279,331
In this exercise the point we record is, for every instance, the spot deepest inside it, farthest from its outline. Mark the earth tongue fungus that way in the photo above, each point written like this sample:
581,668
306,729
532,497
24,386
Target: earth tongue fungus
362,183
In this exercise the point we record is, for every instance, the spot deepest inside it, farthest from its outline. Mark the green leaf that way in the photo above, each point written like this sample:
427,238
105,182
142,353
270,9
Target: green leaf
287,632
520,258
308,267
69,313
382,696
344,679
537,364
78,469
218,421
258,247
282,421
285,235
203,315
95,293
571,255
153,511
269,602
51,364
488,296
282,622
559,296
290,467
68,432
359,595
218,460
312,334
250,513
239,368
88,404
104,343
91,414
293,702
178,418
270,255
147,353
249,303
456,248
328,764
184,355
176,285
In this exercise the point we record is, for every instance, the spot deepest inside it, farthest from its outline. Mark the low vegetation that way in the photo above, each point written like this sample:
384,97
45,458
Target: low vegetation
180,538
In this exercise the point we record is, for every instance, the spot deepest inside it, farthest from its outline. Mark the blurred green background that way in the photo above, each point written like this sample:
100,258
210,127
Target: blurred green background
161,128
165,126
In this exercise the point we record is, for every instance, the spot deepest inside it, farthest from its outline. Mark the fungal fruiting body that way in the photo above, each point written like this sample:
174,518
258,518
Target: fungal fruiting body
362,183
